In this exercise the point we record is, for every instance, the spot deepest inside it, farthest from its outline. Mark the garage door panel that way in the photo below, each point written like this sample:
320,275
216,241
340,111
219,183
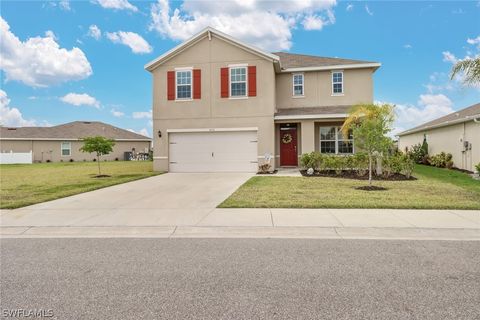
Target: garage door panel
232,151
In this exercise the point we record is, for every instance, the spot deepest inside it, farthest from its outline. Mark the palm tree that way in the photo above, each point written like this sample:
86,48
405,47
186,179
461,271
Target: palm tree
470,67
370,124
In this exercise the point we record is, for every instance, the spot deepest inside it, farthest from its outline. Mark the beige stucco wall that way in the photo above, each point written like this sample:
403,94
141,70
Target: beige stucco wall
449,139
212,111
51,150
358,88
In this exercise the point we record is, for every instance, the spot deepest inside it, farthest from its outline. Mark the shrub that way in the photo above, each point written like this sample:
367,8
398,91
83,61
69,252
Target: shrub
361,163
339,164
306,160
442,160
477,167
71,160
264,168
407,166
395,163
418,152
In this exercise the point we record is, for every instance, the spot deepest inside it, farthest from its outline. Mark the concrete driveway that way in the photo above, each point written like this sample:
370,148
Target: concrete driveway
170,199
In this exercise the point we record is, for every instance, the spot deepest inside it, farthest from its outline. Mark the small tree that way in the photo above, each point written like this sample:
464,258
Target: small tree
99,145
370,124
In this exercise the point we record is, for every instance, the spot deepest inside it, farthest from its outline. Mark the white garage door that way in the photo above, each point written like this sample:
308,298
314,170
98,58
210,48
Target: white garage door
225,151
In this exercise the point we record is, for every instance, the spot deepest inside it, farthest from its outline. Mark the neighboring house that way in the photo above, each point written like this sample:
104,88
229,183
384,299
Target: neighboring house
457,133
223,105
62,142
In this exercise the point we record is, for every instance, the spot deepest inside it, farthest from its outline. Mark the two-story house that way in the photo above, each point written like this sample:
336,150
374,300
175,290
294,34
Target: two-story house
221,105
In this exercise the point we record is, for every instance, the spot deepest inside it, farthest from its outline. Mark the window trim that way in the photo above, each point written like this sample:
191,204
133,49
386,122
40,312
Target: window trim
293,85
237,66
337,131
336,94
69,149
190,69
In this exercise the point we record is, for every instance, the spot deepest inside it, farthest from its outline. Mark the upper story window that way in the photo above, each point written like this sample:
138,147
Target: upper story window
66,149
238,81
184,84
298,84
337,83
333,141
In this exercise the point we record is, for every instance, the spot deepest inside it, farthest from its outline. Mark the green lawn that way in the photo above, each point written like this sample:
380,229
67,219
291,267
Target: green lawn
435,189
22,185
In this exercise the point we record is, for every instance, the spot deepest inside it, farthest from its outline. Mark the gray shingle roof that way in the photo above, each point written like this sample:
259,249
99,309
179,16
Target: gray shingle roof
292,60
72,130
466,114
305,111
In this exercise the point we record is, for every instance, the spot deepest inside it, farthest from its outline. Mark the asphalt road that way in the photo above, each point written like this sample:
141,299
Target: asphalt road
241,278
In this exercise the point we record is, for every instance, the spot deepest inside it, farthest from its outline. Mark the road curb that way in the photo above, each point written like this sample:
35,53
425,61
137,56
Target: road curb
243,232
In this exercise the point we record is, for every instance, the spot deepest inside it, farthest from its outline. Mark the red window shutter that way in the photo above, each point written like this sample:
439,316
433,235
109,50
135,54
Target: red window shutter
197,84
171,85
252,81
224,82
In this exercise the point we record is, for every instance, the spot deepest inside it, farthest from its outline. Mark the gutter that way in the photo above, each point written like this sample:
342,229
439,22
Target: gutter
311,116
375,65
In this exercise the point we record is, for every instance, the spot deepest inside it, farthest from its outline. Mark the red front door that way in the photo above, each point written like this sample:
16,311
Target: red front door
288,146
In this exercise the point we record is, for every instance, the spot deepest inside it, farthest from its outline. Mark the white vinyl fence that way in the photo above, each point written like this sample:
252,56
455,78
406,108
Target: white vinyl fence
15,157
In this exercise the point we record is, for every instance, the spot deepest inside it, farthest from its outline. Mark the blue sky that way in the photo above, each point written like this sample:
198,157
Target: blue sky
83,60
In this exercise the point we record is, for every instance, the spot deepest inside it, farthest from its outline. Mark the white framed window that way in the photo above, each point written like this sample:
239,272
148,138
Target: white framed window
333,142
183,84
238,81
298,80
66,149
337,83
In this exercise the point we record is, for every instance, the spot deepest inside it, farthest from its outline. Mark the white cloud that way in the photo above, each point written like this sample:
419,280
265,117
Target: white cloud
407,46
10,116
80,99
117,4
50,34
40,62
367,9
265,24
117,113
314,22
65,5
130,39
94,32
429,107
349,7
143,132
449,57
474,41
142,115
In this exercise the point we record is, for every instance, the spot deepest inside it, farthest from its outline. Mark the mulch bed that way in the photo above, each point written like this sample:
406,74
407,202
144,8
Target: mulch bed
348,174
371,188
102,176
268,172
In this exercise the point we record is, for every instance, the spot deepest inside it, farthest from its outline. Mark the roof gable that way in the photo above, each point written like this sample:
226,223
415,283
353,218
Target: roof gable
300,62
208,33
70,131
467,114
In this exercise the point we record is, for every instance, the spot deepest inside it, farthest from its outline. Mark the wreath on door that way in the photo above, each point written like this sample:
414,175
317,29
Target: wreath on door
287,138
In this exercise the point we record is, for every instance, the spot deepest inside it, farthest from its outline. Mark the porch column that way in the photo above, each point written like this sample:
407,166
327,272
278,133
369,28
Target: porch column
307,136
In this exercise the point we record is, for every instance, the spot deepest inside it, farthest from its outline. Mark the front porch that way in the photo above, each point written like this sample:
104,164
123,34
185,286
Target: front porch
303,130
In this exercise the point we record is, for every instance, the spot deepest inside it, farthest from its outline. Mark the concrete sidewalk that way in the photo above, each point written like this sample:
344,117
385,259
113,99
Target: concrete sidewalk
244,223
